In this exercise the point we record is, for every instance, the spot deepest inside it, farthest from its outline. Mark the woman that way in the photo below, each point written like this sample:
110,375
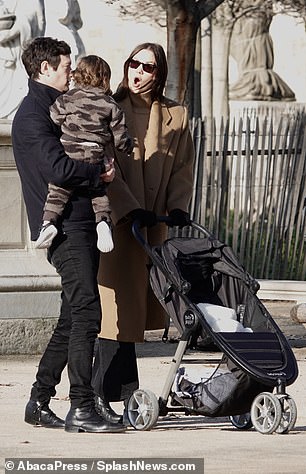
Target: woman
156,179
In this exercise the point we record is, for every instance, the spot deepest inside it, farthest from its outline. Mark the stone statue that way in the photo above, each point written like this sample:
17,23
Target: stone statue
22,20
63,20
252,48
19,22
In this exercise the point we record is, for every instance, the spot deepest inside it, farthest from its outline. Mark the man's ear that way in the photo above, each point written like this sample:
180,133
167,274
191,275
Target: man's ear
44,68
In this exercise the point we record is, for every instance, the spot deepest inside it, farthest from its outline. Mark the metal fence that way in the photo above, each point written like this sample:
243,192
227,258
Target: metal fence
249,191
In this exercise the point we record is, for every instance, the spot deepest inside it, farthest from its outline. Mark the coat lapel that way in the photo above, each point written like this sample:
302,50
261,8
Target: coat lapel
157,143
133,165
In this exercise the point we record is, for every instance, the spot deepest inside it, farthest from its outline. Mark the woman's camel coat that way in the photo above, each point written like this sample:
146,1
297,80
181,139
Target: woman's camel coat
161,182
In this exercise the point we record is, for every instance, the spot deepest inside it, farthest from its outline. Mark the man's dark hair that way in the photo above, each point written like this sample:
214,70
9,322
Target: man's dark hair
43,49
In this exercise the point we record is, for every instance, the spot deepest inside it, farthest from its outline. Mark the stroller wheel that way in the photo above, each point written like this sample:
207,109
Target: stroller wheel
289,414
266,413
242,422
143,409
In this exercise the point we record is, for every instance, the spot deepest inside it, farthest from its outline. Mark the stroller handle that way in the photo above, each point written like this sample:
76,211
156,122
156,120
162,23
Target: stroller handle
166,220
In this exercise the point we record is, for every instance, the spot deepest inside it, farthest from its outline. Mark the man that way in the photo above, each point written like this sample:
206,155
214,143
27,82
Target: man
40,158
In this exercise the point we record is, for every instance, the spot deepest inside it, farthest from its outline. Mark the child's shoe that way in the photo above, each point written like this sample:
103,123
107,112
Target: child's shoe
105,240
46,236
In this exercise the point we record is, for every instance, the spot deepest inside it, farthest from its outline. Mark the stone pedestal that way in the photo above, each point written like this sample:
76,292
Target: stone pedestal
29,285
261,110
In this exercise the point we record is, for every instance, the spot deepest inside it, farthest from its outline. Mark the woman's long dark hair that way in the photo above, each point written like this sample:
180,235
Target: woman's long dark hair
160,75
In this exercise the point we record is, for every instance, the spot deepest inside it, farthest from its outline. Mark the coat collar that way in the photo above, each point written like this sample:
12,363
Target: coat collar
164,106
44,94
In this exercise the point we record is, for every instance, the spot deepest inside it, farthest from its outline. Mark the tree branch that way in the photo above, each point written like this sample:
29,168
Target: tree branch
206,7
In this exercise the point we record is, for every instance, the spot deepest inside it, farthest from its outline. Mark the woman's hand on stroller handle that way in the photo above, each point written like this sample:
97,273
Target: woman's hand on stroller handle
179,218
143,217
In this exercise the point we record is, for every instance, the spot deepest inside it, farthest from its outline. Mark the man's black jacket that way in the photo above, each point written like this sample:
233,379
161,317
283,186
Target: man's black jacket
40,159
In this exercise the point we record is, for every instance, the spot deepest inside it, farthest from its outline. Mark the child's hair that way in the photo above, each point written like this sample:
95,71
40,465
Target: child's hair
93,71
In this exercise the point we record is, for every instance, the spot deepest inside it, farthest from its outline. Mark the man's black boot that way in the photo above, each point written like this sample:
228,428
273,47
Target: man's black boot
87,420
104,409
37,413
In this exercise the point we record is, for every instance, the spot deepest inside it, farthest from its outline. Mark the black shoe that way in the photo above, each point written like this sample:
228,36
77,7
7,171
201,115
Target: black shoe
37,413
104,409
87,420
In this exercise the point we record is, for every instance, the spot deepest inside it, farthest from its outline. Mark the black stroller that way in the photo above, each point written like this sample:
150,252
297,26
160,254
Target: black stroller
197,279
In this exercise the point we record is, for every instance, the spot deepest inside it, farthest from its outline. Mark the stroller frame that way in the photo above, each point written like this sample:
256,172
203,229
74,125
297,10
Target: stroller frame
143,407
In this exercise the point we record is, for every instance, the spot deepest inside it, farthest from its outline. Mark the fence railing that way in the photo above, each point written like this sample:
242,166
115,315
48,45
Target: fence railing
249,191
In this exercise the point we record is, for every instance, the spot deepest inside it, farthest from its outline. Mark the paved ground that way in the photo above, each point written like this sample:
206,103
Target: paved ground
223,447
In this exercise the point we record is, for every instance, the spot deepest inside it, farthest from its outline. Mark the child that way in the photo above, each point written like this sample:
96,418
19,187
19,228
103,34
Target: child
91,121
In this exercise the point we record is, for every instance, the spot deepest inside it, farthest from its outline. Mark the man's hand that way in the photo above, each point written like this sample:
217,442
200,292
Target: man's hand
109,175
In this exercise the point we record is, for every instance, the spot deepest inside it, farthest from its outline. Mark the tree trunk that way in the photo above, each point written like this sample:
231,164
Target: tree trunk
182,30
207,75
197,102
221,43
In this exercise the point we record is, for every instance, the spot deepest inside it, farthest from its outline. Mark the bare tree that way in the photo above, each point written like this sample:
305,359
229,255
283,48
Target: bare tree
182,19
296,8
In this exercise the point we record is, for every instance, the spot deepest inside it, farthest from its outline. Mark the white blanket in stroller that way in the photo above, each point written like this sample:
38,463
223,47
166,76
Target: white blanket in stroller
221,318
